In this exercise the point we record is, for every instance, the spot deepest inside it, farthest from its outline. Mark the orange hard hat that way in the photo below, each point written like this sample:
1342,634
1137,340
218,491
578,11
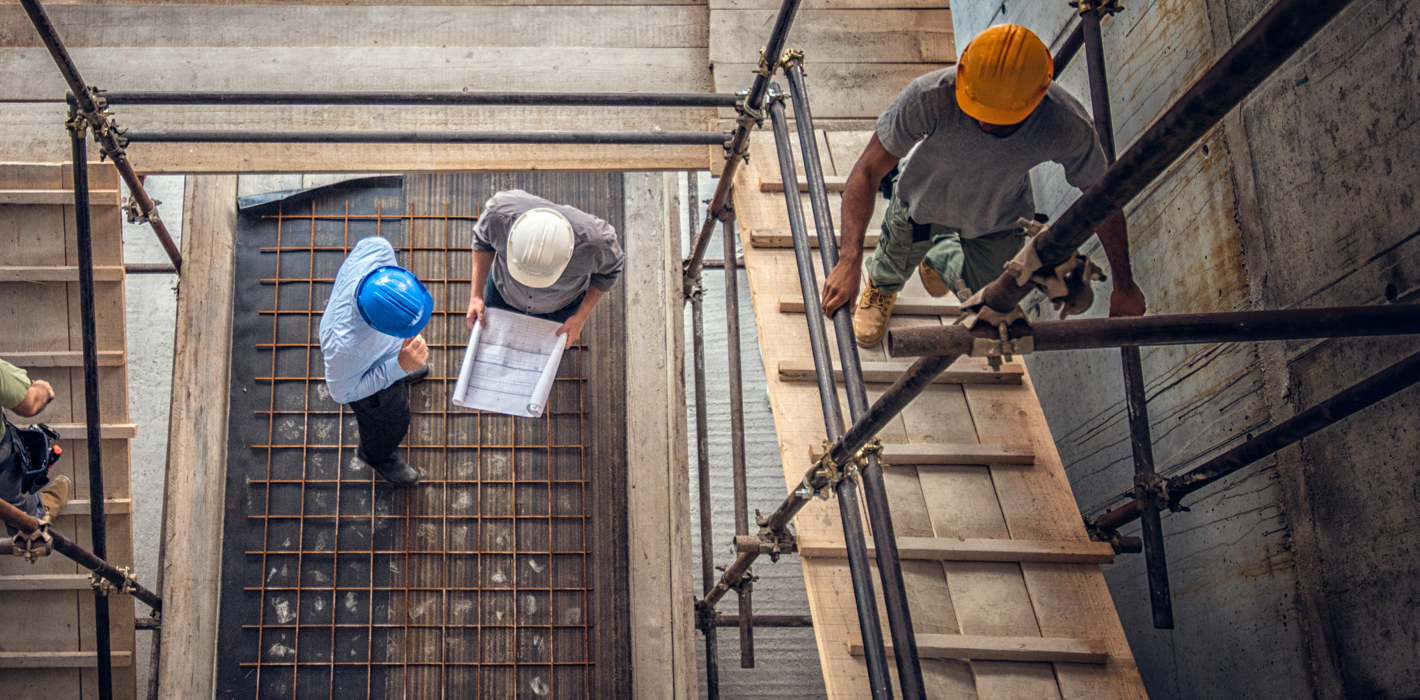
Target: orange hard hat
1003,74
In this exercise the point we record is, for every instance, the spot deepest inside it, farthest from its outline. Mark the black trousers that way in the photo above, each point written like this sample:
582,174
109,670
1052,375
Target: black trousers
383,419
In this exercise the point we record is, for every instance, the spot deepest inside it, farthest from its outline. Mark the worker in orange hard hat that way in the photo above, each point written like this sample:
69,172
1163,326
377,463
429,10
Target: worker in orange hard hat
953,155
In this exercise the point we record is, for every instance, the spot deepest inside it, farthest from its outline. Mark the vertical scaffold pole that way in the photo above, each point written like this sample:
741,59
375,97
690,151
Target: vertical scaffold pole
737,429
702,458
909,668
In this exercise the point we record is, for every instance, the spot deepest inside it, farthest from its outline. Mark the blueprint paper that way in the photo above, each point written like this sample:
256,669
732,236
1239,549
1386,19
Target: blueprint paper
510,365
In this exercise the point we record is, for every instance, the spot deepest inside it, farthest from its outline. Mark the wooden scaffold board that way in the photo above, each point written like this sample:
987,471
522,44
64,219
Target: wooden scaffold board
47,609
1030,617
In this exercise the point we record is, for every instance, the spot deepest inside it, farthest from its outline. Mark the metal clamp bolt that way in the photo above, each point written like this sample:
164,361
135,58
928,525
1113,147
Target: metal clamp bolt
23,544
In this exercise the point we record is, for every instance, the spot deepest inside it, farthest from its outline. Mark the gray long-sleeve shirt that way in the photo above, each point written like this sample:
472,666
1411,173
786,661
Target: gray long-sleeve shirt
965,178
596,257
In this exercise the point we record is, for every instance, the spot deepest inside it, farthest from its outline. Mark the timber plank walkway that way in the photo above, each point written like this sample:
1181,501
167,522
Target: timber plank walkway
974,618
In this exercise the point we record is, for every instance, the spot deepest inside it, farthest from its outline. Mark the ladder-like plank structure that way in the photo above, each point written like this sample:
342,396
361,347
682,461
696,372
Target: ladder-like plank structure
48,638
969,463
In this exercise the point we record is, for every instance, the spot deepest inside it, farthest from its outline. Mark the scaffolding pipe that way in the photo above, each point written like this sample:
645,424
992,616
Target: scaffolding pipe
107,138
751,113
737,424
149,269
1132,361
1173,329
88,323
1069,49
869,626
606,138
702,459
768,621
909,668
28,524
470,99
1329,412
1267,44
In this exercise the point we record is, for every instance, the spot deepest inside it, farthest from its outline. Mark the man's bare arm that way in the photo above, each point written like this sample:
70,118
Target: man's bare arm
1127,299
39,396
859,196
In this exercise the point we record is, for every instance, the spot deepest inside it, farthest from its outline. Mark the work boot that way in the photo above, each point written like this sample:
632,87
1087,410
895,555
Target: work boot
934,283
54,496
870,319
417,375
397,472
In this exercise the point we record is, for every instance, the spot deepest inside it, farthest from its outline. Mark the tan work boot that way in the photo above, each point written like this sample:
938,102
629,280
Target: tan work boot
870,319
54,496
934,283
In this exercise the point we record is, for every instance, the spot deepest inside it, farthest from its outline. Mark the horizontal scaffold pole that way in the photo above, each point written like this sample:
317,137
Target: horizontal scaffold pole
612,138
469,99
1173,329
29,525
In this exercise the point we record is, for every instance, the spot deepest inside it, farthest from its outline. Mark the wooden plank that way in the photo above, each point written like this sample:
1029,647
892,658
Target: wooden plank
831,183
918,454
663,25
451,3
112,506
826,4
107,358
888,372
107,431
950,549
784,239
838,90
68,273
61,659
44,582
195,492
905,306
974,647
840,36
97,197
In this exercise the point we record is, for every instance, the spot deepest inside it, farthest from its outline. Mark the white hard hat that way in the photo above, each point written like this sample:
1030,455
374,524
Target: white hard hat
539,247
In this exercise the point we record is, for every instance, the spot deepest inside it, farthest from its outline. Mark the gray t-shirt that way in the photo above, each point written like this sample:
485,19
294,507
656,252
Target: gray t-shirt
965,178
596,257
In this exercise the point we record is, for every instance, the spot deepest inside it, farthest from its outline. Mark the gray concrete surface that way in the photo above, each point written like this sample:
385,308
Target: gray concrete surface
1295,577
786,659
151,311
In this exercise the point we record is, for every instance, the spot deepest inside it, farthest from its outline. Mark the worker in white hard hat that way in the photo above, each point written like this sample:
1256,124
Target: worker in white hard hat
543,259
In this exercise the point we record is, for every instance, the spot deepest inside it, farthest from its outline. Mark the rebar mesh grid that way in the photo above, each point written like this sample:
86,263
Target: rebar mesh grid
476,582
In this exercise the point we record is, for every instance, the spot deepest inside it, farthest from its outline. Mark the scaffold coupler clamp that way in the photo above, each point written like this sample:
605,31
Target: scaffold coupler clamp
1012,328
706,616
792,56
1067,285
103,586
1153,488
830,471
780,542
134,213
1104,7
24,544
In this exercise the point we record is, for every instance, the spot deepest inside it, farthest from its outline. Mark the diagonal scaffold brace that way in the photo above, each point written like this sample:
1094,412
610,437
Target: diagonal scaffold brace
91,107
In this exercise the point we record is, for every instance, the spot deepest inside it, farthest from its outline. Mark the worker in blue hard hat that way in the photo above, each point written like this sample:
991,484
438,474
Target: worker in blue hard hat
369,336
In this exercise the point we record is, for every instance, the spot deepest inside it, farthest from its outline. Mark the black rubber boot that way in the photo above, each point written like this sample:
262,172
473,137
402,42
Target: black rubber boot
397,472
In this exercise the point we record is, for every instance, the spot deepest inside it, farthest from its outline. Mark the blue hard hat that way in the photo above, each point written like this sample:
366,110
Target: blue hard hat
393,301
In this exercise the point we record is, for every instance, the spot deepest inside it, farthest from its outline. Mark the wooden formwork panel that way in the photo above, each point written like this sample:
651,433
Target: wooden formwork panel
1012,597
46,611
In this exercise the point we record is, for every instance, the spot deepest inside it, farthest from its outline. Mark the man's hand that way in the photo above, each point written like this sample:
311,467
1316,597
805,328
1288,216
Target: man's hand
413,354
572,328
841,285
476,312
1127,300
38,396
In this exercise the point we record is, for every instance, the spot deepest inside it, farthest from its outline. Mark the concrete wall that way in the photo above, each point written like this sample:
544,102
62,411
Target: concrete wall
1290,579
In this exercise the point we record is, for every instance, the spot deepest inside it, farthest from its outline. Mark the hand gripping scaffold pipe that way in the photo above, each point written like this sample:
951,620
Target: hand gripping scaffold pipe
106,132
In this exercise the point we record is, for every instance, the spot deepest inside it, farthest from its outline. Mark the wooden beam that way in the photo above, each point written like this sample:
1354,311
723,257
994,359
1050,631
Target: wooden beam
831,183
951,549
197,443
68,273
107,431
44,582
889,372
839,36
112,506
61,659
978,648
987,454
29,360
905,306
97,197
783,239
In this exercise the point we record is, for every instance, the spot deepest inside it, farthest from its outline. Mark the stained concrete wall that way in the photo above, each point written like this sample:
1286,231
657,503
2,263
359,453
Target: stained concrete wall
1296,577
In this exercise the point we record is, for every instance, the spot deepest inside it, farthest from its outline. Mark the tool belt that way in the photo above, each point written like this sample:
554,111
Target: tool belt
34,450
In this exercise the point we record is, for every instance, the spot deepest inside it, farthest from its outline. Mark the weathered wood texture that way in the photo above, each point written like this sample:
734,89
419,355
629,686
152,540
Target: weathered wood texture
197,439
41,318
992,499
553,47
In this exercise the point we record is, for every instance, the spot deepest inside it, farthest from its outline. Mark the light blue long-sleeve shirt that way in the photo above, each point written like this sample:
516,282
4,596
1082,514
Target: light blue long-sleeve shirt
359,360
